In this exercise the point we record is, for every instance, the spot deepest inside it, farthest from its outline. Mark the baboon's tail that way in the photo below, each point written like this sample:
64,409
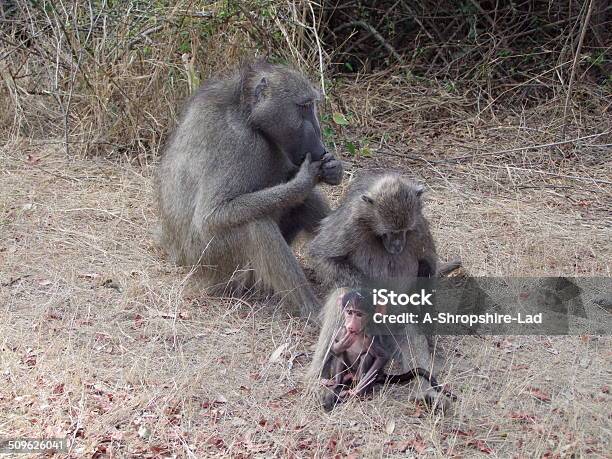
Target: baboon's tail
449,267
384,378
331,317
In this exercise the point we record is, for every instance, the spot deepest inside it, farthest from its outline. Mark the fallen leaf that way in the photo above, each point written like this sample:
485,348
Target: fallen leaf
144,432
521,366
290,392
217,442
99,452
539,394
59,389
522,416
462,433
390,427
416,444
275,357
31,159
332,444
305,444
274,426
480,445
161,450
29,360
340,119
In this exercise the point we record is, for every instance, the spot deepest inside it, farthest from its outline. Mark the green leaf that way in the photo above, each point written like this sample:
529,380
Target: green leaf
365,151
350,146
185,47
328,132
340,119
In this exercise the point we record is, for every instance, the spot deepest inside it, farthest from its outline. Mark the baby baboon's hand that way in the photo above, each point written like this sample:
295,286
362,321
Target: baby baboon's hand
331,169
344,343
308,173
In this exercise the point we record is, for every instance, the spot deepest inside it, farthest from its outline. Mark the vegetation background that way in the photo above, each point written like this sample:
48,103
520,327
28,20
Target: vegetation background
501,107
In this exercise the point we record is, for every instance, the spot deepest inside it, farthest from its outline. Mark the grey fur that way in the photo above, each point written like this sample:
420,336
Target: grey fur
236,183
348,252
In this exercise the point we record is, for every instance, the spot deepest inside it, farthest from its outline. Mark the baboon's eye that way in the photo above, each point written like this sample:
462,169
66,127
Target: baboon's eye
306,104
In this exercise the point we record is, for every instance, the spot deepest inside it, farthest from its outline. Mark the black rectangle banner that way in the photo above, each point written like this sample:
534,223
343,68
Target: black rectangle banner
494,306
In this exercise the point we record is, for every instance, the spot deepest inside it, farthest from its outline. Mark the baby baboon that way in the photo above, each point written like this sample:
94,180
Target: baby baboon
237,180
377,237
356,359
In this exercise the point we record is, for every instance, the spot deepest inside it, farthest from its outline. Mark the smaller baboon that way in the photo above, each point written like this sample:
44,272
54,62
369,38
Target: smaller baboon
356,359
377,237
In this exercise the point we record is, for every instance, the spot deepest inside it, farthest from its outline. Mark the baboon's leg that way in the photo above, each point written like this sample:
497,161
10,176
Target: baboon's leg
276,266
414,352
305,217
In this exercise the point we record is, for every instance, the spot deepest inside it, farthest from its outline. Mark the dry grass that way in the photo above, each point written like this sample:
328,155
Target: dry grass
105,342
107,77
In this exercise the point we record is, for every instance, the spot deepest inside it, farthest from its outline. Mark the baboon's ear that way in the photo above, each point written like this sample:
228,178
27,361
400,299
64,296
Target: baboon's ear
419,190
367,199
259,89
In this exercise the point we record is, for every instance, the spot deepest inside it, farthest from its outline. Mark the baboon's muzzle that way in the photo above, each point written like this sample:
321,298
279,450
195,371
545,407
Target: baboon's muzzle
394,243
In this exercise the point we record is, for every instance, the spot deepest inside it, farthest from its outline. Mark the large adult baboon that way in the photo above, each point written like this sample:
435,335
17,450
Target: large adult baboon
237,180
378,237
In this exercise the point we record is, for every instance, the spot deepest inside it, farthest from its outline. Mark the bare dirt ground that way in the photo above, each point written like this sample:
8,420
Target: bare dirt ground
102,340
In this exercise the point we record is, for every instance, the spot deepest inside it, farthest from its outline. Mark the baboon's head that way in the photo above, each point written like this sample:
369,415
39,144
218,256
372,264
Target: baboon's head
355,311
393,206
282,105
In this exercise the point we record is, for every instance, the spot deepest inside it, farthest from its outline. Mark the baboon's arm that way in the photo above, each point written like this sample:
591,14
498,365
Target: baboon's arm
339,272
338,369
331,249
253,206
343,341
427,257
371,366
370,378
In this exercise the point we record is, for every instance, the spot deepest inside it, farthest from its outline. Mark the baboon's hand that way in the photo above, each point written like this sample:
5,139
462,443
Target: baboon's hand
308,173
344,343
331,169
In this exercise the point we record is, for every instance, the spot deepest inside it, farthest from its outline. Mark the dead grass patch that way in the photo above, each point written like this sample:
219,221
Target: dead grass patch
105,342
